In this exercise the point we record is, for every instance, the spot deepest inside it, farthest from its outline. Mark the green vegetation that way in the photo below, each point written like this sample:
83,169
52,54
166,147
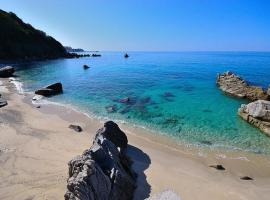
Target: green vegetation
19,40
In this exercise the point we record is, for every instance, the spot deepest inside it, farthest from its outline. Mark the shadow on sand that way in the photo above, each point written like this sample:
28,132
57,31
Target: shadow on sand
141,162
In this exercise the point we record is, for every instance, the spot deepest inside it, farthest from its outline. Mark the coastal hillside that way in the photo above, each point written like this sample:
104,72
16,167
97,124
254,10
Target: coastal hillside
19,40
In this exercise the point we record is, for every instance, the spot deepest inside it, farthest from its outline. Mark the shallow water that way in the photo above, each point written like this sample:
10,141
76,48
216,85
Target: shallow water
172,93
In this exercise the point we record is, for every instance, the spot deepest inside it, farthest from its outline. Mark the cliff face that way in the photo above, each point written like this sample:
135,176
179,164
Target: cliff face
19,40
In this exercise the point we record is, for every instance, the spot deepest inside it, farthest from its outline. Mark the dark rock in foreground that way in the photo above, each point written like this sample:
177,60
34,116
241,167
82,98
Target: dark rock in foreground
233,85
104,171
6,71
257,114
50,90
75,128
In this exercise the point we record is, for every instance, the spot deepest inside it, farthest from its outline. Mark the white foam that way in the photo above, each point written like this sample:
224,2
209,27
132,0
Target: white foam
165,195
18,85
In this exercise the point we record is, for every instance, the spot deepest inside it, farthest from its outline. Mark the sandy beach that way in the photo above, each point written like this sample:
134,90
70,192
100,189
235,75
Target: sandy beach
36,145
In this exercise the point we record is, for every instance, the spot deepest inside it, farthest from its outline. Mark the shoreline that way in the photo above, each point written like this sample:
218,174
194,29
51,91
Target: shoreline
172,166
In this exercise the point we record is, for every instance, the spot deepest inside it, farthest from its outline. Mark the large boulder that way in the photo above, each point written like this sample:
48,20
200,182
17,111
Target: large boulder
258,114
234,85
104,171
50,90
7,71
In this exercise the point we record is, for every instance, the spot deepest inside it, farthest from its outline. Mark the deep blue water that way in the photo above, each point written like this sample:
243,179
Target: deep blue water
173,93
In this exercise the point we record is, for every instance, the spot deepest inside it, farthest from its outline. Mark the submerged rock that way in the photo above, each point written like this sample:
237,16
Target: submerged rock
50,90
258,114
7,71
206,142
104,171
124,100
233,85
111,108
75,128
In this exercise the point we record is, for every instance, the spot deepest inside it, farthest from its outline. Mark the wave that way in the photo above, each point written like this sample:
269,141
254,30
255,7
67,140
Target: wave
18,84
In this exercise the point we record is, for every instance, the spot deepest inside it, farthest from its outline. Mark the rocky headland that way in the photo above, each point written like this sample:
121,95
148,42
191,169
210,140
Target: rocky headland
103,171
234,85
21,41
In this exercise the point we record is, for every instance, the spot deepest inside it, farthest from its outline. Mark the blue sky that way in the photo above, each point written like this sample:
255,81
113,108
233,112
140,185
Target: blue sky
151,25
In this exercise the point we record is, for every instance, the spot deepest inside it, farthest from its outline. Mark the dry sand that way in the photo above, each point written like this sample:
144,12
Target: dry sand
36,145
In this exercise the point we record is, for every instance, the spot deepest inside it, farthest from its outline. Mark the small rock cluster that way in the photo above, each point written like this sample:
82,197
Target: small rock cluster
103,171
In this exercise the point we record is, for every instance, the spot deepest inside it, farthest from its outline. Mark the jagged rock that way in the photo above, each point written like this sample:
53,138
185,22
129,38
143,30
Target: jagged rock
50,90
112,132
6,71
104,171
75,128
258,114
2,102
233,85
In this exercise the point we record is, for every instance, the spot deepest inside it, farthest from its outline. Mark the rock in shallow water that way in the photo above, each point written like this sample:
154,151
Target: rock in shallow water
104,171
165,195
50,90
258,114
233,85
6,71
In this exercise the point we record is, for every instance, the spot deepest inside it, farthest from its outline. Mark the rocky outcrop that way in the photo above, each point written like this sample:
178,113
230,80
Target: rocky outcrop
104,171
7,71
258,114
50,90
233,85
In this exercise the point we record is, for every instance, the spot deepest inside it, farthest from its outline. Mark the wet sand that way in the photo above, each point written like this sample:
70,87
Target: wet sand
36,145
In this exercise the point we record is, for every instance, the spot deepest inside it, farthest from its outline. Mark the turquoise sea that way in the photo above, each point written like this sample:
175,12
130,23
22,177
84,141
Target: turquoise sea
171,93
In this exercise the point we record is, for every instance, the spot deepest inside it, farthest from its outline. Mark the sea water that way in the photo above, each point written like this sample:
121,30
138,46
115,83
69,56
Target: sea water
170,93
